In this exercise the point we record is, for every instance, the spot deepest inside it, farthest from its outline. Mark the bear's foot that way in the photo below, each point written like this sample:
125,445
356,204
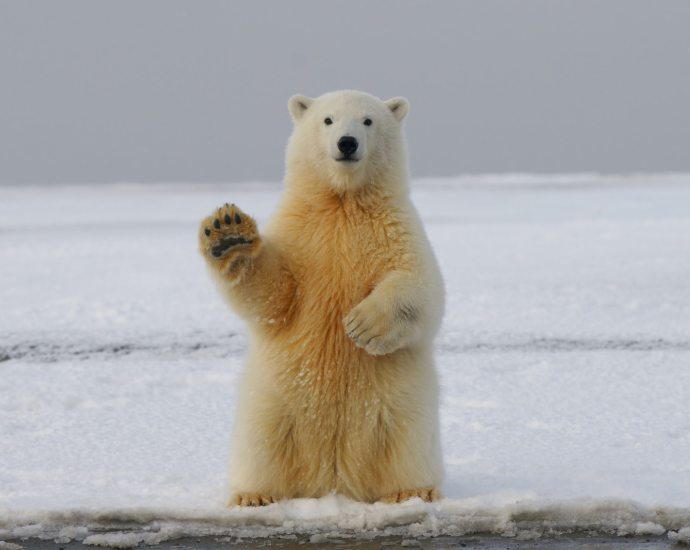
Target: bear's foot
227,234
427,495
251,499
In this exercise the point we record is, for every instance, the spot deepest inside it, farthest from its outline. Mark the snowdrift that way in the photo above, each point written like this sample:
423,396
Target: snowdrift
338,517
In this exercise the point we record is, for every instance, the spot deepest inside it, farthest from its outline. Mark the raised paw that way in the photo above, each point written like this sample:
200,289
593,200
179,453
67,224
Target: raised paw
427,495
251,499
227,234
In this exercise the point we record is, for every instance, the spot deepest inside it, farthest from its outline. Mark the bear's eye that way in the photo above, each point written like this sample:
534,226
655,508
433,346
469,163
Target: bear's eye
328,121
367,122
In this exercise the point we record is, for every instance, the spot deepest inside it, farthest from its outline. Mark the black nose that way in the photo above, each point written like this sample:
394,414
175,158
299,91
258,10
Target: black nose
347,145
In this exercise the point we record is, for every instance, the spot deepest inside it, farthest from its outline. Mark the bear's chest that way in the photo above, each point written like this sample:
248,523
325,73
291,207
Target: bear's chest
345,256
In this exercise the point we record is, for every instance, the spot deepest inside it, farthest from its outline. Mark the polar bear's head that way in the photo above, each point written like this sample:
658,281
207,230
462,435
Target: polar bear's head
347,140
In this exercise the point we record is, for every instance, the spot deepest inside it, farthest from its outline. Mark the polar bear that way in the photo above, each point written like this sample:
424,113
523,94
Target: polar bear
342,296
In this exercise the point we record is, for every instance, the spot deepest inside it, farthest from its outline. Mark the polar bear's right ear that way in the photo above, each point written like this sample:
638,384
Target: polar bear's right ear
298,104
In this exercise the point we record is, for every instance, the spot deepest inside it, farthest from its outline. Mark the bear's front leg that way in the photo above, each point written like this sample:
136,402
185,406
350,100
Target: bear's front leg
226,238
250,271
391,317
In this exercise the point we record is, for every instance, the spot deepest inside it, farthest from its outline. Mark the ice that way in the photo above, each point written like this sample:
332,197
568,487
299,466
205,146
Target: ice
563,359
132,540
681,536
115,540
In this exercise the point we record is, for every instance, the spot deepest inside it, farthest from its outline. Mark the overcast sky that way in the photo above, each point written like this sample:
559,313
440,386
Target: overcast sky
197,91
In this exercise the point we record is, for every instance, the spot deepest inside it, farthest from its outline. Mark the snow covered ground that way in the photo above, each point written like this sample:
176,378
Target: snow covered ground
564,359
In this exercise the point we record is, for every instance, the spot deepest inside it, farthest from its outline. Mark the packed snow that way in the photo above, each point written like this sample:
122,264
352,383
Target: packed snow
564,359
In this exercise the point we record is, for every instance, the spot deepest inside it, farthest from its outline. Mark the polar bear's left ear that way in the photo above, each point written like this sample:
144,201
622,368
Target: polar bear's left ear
399,107
298,104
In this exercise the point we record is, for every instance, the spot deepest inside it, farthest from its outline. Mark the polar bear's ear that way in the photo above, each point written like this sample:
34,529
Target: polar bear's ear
399,107
298,104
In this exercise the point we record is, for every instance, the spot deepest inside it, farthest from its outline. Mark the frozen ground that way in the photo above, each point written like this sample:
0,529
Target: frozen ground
564,359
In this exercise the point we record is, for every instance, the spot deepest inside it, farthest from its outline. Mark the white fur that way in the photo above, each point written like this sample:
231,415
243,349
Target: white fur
343,302
314,145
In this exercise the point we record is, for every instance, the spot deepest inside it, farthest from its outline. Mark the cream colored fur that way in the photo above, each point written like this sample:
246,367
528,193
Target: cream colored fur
343,297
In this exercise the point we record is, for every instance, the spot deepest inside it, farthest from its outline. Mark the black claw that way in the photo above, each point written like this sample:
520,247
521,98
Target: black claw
238,219
216,223
207,231
227,219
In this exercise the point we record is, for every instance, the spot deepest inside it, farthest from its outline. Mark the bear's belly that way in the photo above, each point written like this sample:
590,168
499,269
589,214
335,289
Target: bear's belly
317,351
323,378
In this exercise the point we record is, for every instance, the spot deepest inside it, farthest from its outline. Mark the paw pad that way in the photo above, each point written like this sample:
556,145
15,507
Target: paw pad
228,230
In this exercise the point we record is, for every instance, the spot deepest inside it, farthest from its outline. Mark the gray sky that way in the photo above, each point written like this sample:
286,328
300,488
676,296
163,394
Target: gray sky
197,90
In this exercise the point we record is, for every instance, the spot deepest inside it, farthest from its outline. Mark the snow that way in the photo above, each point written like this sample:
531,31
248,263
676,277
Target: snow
563,359
649,528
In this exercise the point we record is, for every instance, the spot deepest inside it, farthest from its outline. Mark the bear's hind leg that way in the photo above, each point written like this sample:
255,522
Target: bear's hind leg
251,499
